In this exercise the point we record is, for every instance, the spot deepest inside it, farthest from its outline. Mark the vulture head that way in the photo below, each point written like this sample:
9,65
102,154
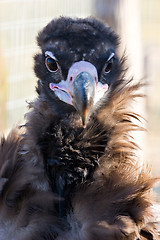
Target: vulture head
78,65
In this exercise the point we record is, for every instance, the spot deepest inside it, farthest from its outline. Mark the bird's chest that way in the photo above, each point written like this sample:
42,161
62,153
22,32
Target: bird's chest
70,160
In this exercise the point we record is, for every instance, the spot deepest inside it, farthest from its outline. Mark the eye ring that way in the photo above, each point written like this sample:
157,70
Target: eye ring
109,66
51,64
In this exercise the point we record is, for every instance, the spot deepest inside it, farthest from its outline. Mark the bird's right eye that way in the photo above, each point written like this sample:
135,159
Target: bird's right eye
51,64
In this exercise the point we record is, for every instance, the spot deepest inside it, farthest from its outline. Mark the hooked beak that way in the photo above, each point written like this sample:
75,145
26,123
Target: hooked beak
81,88
83,93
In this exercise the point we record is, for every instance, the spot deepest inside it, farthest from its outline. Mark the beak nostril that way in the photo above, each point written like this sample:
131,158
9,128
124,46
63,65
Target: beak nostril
70,78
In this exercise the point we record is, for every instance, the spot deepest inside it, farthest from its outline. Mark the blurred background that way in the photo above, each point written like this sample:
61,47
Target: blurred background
136,21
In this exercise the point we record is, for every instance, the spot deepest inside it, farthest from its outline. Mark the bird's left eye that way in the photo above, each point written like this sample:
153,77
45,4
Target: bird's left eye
109,66
51,64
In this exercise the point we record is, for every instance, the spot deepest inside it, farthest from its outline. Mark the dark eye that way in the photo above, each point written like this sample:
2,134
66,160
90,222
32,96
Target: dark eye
51,64
109,65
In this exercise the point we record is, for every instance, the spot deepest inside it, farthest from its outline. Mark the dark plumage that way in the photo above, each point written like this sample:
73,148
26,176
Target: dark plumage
70,172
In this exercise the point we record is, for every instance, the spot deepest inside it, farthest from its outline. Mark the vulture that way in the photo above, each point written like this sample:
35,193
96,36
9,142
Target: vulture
70,172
